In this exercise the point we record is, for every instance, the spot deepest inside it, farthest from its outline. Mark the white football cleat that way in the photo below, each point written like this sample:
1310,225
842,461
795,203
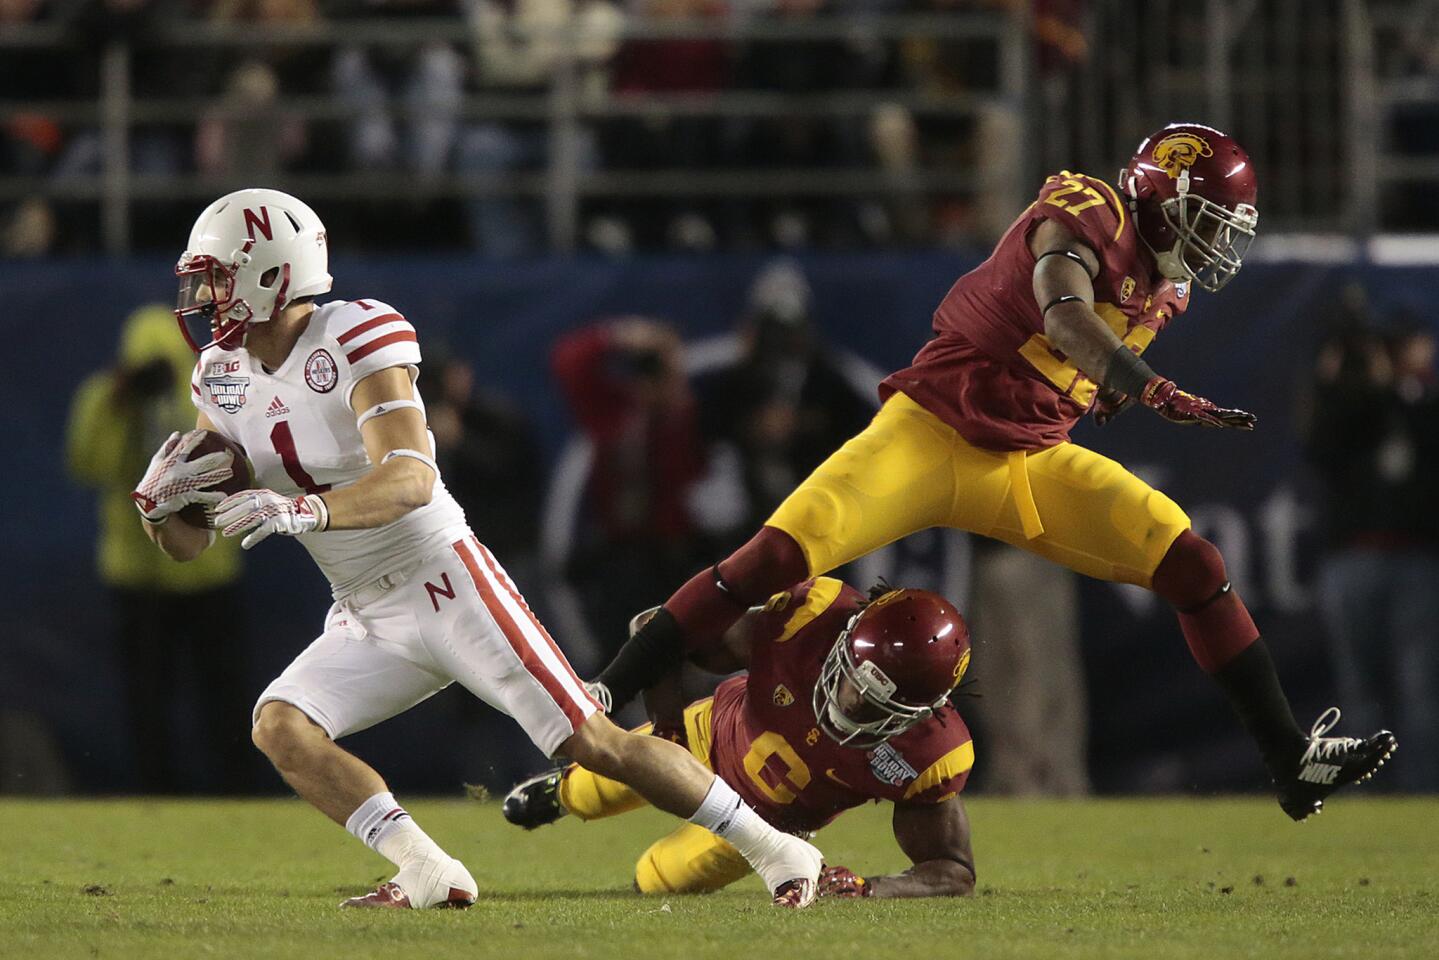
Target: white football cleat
421,885
790,868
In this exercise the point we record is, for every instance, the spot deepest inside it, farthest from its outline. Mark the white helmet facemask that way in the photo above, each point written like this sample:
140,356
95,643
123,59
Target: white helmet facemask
250,254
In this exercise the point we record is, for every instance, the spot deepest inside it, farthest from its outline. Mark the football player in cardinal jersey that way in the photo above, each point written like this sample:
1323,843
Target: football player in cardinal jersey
974,434
322,398
845,702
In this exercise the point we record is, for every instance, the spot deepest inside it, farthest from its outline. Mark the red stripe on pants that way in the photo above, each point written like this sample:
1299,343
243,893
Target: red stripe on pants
517,640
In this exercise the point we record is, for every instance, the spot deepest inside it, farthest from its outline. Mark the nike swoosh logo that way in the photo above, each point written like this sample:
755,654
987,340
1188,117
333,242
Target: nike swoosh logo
830,773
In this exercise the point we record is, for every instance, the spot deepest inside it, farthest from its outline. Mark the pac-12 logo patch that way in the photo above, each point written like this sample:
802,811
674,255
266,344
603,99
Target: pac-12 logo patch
320,371
1126,289
782,696
227,392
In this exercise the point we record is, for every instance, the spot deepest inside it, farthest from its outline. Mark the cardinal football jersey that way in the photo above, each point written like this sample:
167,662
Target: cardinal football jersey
766,743
300,433
990,372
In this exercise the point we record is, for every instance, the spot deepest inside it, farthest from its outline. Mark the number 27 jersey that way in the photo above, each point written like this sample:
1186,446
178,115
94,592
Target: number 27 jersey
298,428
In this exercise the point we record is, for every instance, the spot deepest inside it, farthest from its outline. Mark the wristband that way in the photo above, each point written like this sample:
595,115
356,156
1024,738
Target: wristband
1127,373
320,509
1070,254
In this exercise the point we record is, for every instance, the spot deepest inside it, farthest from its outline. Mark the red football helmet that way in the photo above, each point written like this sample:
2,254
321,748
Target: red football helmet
1191,190
891,668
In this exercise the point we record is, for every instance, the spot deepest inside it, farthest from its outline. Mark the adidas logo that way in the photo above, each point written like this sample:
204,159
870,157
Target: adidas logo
1319,773
276,408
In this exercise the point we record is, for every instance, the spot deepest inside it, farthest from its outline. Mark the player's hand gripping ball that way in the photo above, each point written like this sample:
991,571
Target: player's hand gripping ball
188,475
843,882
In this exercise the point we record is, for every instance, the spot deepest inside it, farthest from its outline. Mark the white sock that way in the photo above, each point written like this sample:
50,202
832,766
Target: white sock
724,814
387,828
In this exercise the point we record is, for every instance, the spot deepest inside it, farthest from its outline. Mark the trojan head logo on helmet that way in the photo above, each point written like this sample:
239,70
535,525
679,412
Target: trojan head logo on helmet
1192,190
891,668
250,254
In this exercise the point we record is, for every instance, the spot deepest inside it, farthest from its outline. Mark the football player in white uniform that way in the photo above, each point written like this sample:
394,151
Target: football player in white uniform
322,398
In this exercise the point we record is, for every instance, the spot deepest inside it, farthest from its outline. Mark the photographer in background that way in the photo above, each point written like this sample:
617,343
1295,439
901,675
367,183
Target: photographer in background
179,628
1374,440
625,385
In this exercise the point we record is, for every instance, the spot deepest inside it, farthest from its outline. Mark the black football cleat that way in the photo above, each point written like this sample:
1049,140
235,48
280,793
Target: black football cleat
1329,763
536,801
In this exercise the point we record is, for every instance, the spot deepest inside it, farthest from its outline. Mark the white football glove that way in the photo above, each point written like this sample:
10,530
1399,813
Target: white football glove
263,512
172,483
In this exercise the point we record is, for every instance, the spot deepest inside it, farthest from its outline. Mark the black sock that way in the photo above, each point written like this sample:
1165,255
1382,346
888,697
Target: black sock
1252,685
655,650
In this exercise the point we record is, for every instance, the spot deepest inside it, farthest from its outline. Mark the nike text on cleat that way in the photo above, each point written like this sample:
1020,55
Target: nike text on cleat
790,868
1329,763
535,802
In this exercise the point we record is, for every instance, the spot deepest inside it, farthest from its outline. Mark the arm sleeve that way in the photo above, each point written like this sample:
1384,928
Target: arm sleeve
1085,206
947,775
374,338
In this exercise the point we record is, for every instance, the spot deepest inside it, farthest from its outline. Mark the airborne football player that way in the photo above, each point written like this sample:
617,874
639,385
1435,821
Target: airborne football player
845,702
974,434
323,400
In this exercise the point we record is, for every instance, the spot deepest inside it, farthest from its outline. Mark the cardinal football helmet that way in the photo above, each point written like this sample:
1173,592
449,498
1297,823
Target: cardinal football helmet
250,254
901,654
1191,190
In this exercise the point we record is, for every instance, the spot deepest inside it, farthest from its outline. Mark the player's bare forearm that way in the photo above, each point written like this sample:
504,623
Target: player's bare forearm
932,878
935,837
397,484
1063,284
382,496
178,539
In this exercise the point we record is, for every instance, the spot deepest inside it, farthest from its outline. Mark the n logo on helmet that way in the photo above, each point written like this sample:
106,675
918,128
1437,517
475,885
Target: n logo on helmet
1179,151
262,223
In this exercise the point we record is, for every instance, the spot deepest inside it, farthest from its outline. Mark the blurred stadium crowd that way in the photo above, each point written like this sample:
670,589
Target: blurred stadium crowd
400,111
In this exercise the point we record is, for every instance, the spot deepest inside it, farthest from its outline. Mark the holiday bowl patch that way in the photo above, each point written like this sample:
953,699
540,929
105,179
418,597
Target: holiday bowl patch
226,391
889,766
320,371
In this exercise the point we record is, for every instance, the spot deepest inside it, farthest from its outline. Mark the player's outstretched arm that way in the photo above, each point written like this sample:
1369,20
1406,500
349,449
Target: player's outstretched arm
935,836
1064,272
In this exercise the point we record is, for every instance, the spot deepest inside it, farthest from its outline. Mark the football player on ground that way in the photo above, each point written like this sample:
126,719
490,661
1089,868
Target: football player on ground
322,398
845,701
974,434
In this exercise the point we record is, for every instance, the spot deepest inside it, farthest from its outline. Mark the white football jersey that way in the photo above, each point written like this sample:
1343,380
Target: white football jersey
299,431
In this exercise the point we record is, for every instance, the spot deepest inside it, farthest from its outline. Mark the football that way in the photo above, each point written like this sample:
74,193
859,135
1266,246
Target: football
196,514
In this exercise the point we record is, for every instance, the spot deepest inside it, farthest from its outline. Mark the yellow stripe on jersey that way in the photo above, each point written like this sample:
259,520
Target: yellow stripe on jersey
952,764
823,593
1118,206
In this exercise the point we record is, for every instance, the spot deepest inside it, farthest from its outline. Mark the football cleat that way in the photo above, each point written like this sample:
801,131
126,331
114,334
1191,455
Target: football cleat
443,884
790,868
536,801
1329,763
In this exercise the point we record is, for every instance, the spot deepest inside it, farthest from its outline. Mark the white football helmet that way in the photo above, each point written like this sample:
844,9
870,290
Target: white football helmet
250,254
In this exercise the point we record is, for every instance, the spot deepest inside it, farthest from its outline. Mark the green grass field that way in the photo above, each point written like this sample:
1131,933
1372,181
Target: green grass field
1109,879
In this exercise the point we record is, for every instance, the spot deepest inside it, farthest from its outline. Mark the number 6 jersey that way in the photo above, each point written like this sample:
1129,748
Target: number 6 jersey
300,433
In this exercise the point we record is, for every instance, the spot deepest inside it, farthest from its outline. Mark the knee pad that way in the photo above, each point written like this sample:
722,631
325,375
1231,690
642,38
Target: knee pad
1191,574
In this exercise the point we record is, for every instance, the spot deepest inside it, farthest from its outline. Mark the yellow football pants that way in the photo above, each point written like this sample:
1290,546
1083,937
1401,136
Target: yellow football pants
689,860
909,470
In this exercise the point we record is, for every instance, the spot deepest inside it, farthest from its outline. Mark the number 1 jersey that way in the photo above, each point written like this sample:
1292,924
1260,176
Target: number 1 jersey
297,426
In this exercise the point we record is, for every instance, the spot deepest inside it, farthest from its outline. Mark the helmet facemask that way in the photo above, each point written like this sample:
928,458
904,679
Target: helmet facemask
209,312
1211,239
876,694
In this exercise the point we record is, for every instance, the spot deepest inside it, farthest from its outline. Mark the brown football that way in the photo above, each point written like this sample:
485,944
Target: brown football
196,514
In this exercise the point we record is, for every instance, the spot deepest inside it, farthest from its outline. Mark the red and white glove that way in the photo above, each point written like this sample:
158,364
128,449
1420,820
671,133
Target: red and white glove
172,483
1176,406
260,513
843,882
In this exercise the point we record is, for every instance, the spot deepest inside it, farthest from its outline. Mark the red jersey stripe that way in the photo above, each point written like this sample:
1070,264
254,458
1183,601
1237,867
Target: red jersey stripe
503,579
379,343
365,327
196,389
516,638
